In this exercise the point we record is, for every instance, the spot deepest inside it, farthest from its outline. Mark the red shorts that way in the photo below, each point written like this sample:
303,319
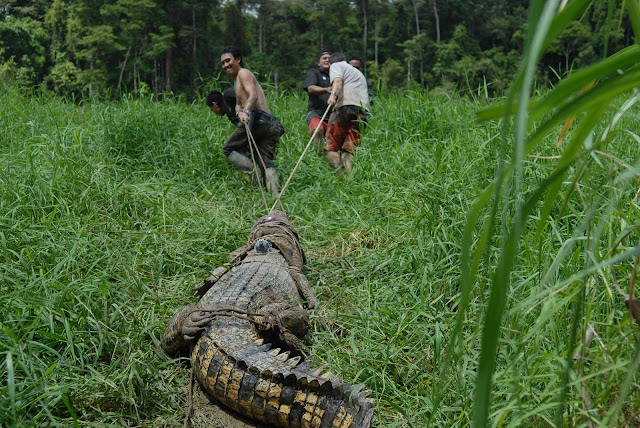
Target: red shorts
344,129
315,123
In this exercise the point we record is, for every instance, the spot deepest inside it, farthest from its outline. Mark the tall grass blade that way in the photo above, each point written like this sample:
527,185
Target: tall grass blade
634,16
499,286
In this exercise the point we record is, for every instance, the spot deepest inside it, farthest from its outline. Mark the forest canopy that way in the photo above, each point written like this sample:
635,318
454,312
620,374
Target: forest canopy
109,47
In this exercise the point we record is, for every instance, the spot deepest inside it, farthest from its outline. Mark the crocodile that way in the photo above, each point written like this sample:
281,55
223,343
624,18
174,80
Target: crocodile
244,335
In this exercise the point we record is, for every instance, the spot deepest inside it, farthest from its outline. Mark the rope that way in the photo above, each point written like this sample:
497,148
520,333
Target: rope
271,321
298,164
258,174
189,412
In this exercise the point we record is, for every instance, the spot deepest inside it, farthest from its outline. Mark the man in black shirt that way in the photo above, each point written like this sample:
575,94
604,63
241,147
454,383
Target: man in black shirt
223,104
318,86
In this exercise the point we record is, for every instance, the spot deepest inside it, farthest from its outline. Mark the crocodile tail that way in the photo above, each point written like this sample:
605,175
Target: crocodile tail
291,395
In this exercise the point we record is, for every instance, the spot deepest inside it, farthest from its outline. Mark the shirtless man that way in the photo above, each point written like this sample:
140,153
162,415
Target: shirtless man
252,110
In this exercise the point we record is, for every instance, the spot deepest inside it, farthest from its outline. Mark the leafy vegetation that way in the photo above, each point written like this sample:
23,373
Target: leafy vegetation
470,272
109,47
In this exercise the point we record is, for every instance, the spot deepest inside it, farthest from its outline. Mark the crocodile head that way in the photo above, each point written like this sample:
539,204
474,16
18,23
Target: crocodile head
276,228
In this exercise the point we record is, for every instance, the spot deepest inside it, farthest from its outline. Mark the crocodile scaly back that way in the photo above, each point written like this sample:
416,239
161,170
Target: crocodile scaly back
247,356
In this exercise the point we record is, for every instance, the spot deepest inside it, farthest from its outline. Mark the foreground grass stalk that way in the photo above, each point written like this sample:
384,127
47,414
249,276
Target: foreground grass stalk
595,101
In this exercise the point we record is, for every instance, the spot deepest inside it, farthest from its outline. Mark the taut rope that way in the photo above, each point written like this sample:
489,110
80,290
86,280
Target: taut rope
298,164
252,146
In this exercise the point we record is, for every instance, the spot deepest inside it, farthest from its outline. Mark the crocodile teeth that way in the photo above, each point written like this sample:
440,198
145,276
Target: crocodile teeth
304,366
283,357
316,372
328,375
274,352
264,348
355,393
292,362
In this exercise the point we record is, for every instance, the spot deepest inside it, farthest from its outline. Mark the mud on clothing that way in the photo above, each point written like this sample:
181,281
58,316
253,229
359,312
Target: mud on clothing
345,125
266,131
317,103
316,123
354,86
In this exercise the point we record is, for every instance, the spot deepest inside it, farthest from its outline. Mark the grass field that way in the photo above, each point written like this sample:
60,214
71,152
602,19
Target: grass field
110,212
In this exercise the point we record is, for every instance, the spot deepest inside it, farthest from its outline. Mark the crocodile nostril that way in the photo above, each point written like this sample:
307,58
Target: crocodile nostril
262,246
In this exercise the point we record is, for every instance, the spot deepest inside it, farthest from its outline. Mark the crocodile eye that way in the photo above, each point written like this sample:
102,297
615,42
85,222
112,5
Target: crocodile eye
262,246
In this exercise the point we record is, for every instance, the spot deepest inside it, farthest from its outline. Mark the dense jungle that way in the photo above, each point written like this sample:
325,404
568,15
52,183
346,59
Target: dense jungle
110,47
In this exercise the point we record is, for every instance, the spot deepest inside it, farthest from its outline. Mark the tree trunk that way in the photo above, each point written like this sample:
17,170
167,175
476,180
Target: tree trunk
155,77
437,18
135,71
415,13
167,70
275,81
376,42
322,33
193,23
364,35
124,64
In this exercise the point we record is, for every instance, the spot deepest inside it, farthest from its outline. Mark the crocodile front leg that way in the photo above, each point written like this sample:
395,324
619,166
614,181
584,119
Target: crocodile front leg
184,328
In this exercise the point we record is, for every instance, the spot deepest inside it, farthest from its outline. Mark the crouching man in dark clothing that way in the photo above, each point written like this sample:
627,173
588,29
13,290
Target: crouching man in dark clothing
249,109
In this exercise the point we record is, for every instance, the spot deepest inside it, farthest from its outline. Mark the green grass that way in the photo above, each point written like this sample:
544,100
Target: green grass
110,212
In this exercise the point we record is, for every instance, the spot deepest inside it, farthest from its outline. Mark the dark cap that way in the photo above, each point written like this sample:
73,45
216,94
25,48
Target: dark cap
323,53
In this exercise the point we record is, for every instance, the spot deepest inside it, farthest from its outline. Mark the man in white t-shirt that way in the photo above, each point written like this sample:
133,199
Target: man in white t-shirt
350,101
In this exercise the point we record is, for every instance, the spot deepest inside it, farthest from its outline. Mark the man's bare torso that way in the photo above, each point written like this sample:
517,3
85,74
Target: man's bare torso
247,85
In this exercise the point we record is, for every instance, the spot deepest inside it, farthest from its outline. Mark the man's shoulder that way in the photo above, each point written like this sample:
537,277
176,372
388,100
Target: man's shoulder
316,76
245,73
338,67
